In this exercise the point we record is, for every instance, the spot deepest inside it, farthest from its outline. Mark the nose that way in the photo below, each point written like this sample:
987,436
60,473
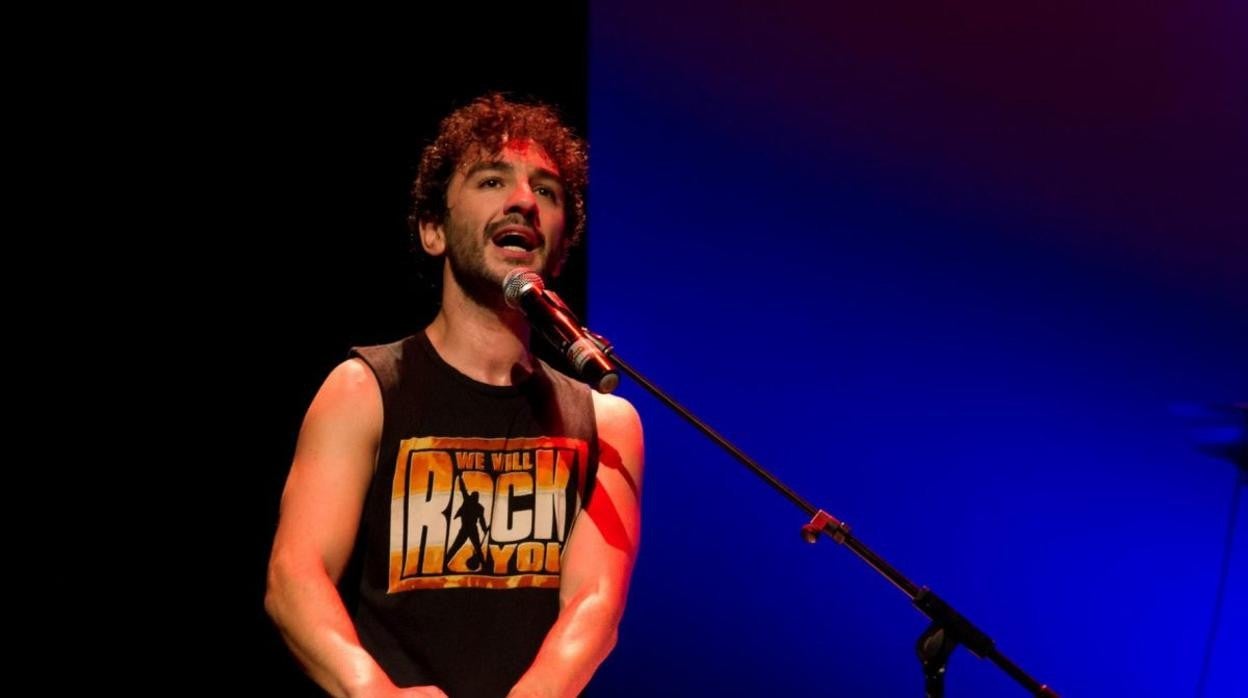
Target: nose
522,200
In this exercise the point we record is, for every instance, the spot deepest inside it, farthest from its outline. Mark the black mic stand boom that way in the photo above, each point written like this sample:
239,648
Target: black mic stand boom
947,629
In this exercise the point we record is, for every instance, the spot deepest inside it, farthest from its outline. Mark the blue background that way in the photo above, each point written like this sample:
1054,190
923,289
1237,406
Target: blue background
944,271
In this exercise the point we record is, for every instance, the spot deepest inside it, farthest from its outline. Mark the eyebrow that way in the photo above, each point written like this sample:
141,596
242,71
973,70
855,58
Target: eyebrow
507,167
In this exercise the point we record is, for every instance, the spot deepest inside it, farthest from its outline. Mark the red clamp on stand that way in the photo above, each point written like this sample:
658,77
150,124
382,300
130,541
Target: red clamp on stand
817,525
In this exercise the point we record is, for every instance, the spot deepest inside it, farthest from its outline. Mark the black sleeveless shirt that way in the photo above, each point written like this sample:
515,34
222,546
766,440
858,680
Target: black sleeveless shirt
473,499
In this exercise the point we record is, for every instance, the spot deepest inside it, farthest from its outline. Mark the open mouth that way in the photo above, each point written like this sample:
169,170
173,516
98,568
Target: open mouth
516,239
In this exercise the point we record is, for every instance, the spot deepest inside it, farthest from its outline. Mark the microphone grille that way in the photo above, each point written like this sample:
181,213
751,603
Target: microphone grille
518,282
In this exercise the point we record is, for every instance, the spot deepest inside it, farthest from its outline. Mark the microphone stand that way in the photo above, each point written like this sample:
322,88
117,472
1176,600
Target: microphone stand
947,629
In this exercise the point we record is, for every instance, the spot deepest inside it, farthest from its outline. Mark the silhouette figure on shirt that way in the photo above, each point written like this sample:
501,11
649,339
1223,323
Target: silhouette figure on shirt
471,514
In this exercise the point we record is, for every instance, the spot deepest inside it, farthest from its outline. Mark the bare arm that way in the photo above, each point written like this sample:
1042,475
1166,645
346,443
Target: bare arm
321,506
597,563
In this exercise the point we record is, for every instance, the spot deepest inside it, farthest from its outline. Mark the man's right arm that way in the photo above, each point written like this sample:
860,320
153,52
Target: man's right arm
320,514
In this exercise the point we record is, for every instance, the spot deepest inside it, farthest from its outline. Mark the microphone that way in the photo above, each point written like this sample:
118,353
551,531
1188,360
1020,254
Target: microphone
525,291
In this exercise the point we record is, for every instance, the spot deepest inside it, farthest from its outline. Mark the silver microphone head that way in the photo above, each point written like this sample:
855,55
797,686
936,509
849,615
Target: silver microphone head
518,282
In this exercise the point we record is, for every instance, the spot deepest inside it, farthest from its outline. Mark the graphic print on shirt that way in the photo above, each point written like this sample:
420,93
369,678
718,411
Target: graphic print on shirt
486,513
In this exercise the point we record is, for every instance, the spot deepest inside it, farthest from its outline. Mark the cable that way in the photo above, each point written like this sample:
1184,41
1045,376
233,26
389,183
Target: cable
1221,593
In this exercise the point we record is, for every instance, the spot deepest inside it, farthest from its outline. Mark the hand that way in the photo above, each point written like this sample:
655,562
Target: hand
523,690
421,692
389,690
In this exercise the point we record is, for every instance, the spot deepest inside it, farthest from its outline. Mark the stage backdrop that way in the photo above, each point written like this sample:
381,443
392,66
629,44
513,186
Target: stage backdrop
945,271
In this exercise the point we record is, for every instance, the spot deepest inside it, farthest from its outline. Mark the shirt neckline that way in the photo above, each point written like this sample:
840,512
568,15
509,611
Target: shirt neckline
485,388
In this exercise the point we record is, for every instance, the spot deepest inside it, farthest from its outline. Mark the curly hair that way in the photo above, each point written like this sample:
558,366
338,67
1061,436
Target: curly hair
484,126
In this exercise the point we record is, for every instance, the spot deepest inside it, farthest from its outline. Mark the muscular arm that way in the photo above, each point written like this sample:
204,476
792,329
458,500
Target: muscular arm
597,563
321,505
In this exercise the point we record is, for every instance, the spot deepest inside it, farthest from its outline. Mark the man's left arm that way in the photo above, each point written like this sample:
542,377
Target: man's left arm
596,564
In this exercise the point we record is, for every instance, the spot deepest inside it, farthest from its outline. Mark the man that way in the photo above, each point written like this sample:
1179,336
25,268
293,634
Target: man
496,500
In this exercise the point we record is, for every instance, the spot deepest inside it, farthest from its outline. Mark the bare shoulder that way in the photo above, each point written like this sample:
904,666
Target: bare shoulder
620,441
616,416
350,396
353,378
343,424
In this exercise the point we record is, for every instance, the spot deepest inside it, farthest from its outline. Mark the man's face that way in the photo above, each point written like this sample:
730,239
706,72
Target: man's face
504,210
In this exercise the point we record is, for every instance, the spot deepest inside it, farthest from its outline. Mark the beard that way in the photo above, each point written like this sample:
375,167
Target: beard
466,257
465,253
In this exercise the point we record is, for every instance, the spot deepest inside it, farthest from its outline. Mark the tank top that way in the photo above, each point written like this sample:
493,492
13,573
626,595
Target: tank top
476,490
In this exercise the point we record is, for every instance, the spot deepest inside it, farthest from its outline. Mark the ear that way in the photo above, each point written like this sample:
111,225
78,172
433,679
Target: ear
433,238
